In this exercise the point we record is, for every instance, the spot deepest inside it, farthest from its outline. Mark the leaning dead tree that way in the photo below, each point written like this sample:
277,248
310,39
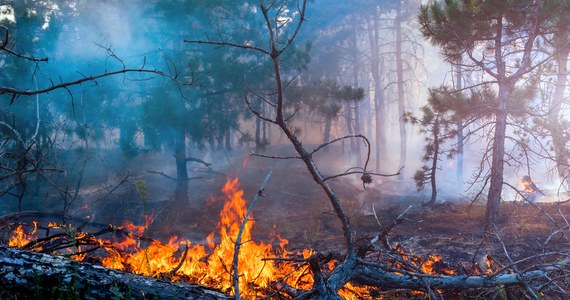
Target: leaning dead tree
354,266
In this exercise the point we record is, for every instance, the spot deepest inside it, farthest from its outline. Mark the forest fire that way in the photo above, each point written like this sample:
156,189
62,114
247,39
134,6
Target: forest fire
21,238
210,265
433,264
263,267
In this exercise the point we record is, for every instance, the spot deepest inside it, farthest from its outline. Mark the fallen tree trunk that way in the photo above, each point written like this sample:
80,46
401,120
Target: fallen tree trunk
374,276
36,275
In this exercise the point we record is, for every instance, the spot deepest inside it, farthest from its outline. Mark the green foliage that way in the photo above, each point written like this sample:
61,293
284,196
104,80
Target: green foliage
421,178
439,124
326,97
460,26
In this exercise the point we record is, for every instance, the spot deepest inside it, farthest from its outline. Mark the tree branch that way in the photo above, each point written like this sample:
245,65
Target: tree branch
14,91
237,243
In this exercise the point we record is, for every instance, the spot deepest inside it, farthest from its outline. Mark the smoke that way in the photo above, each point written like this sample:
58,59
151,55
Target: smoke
98,25
131,31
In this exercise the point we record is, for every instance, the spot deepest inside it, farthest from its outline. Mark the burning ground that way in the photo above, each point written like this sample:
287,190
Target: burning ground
292,222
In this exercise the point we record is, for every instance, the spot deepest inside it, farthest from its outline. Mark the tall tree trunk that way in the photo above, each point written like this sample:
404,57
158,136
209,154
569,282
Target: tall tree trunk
357,130
460,137
497,164
21,184
228,139
327,131
258,134
348,118
558,140
181,191
264,140
400,86
435,159
380,113
366,112
355,149
377,66
498,150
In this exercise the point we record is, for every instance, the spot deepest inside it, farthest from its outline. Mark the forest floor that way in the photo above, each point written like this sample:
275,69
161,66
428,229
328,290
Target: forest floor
297,209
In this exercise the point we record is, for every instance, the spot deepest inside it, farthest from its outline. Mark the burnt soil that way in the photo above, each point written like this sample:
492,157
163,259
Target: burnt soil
297,209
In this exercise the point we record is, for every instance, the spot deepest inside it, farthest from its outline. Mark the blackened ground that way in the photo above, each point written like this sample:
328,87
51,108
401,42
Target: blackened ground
297,209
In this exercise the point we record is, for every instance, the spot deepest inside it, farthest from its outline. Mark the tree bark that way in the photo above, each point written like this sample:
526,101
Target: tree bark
435,159
377,66
497,163
400,85
327,130
498,150
181,191
370,275
34,275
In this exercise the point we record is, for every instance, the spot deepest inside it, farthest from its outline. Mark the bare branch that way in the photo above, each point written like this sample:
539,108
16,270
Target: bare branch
64,85
4,47
224,43
273,157
382,235
162,174
193,159
237,243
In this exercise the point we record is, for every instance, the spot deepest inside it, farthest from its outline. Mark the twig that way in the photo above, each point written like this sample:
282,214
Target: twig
376,216
113,188
514,267
364,173
173,272
199,161
162,174
4,45
237,243
359,208
385,231
273,157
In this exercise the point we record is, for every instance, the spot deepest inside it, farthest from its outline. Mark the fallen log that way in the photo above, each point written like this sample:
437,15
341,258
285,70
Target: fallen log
374,276
35,275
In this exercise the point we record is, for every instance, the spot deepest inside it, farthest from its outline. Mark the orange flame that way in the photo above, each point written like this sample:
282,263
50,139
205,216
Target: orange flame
212,265
528,185
21,238
212,269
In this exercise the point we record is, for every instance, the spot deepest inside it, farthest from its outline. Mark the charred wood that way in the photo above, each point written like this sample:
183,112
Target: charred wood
36,275
367,274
